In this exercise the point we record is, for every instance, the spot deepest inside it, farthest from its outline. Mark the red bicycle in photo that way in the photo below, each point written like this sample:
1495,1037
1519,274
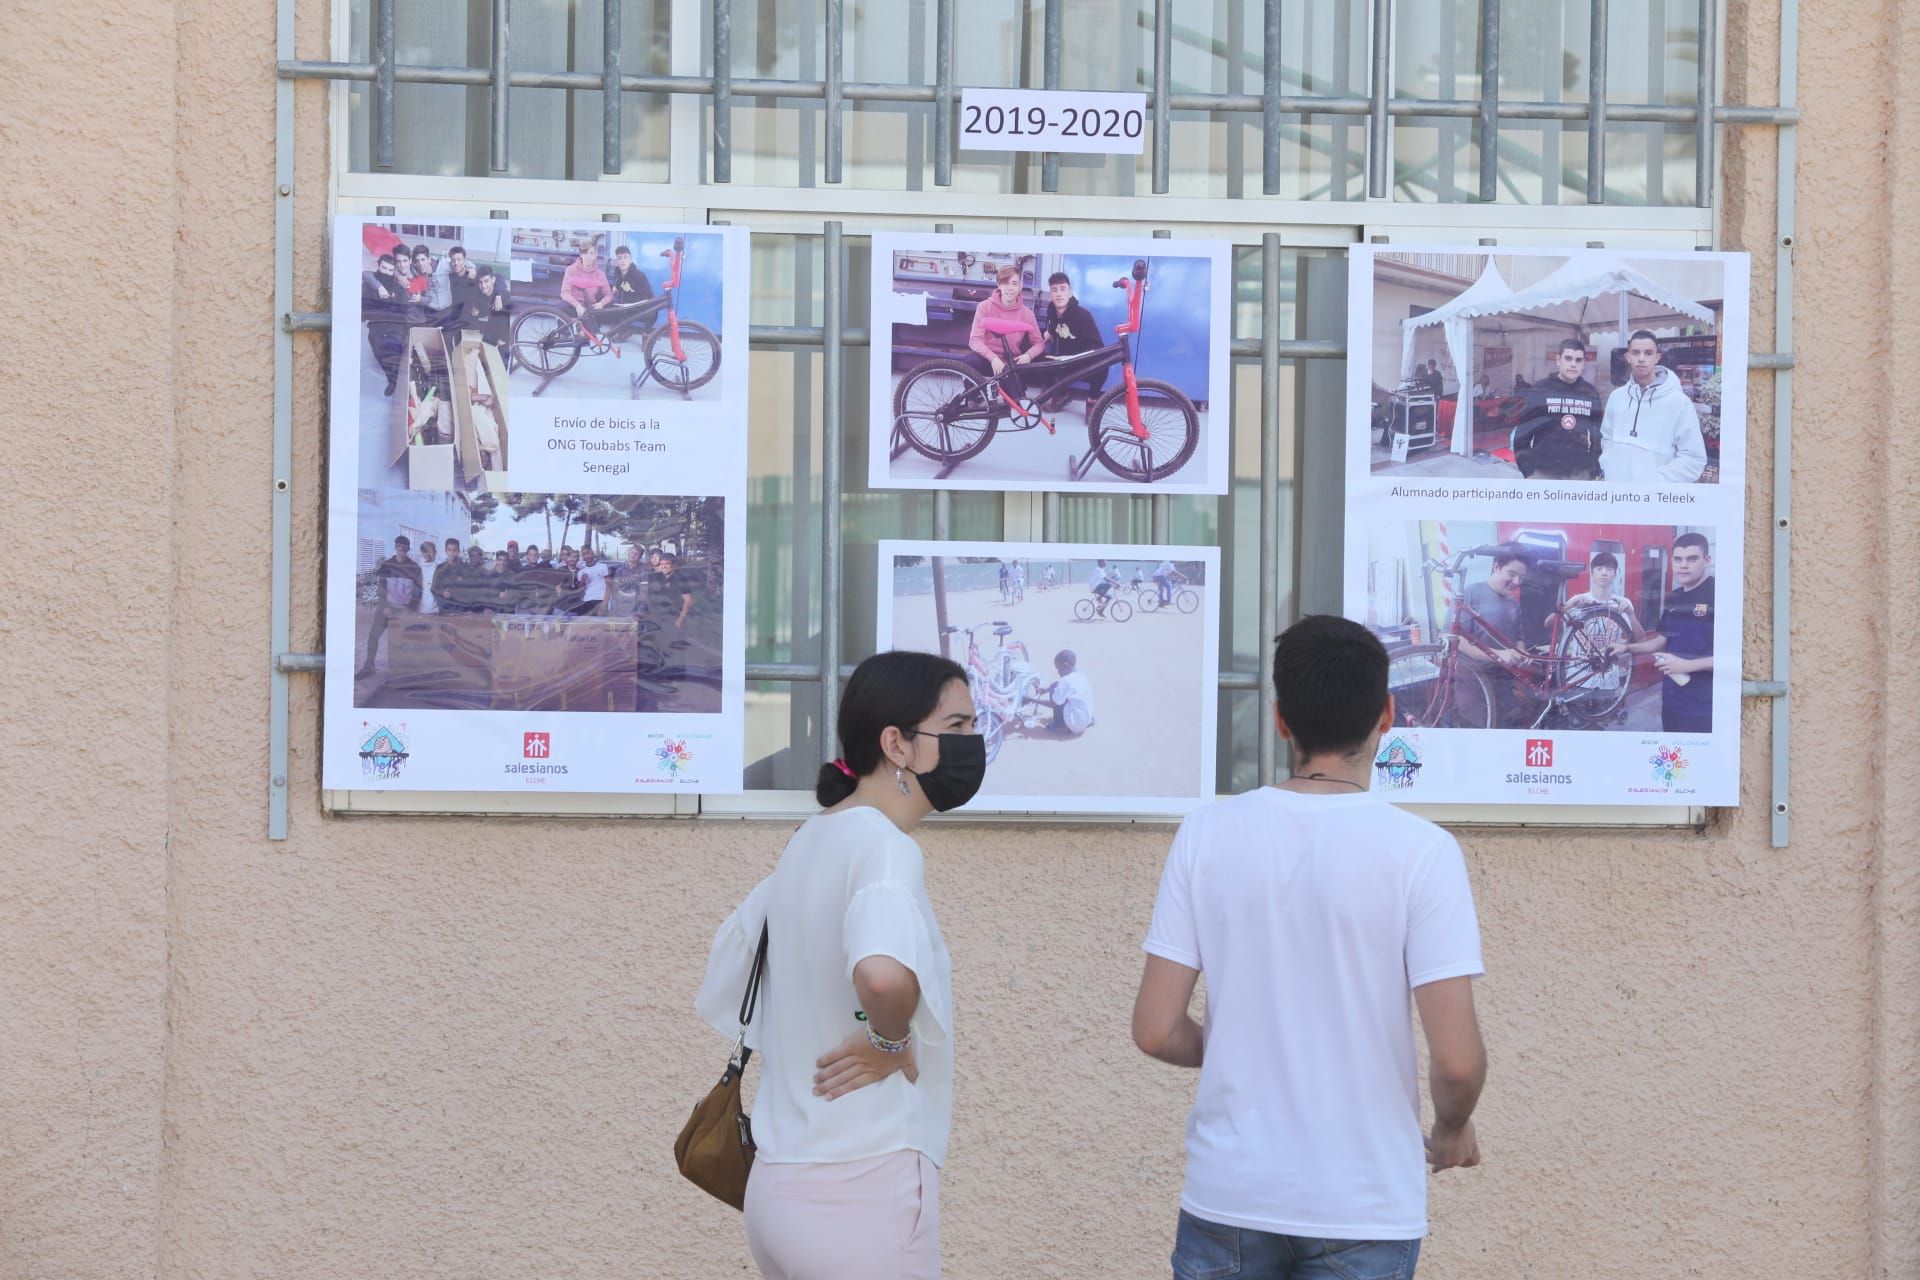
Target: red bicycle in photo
1144,429
680,355
1005,690
1437,686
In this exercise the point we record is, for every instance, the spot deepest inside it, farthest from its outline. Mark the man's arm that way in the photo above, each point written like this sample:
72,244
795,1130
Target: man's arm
1649,642
1456,1069
1162,1027
1689,450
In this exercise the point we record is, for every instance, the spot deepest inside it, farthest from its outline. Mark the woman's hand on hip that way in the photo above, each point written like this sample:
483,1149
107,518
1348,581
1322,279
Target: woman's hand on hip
854,1064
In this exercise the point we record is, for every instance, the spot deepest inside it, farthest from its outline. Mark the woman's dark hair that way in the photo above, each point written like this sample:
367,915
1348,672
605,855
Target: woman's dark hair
901,689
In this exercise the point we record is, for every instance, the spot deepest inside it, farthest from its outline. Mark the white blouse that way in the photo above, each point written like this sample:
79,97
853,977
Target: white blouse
848,885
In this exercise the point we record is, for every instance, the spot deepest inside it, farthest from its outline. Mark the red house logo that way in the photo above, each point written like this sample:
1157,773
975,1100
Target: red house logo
536,746
1539,753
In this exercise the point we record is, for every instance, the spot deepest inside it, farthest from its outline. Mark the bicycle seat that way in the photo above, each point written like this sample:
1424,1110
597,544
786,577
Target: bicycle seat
1002,629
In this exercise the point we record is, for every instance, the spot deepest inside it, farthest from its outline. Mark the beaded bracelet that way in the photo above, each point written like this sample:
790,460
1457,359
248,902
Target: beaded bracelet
885,1045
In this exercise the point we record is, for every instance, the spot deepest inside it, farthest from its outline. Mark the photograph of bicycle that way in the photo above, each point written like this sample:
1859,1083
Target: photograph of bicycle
1049,363
1080,710
1545,626
616,314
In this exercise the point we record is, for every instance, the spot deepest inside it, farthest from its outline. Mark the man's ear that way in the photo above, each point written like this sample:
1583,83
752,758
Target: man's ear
1280,724
1386,717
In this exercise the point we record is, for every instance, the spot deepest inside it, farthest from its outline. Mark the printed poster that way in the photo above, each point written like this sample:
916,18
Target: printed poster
1049,363
1546,477
1094,669
536,578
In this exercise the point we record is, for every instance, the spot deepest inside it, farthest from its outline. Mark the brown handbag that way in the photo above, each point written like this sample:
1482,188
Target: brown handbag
715,1146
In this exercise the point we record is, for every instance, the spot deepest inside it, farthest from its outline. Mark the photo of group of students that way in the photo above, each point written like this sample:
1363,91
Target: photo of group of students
437,307
1531,625
1586,367
621,614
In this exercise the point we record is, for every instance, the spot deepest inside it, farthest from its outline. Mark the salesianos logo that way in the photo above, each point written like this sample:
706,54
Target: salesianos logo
383,753
1668,763
673,756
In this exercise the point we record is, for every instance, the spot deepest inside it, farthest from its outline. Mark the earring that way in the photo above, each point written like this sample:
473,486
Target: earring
900,779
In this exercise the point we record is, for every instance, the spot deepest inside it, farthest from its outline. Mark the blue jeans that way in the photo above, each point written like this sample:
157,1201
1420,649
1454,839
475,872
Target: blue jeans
1205,1250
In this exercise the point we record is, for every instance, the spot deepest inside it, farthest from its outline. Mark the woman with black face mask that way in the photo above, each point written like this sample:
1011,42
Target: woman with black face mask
854,1018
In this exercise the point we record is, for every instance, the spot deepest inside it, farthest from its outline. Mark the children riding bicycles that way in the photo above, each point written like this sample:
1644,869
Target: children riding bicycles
1102,582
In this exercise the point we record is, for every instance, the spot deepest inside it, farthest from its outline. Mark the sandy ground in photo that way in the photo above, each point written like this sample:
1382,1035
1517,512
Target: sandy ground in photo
1030,456
1146,676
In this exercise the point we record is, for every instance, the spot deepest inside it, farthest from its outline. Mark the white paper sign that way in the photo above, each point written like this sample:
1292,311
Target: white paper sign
1556,568
562,407
1053,120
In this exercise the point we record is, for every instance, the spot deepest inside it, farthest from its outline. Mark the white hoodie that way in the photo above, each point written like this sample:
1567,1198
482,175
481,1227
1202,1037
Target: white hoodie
1652,436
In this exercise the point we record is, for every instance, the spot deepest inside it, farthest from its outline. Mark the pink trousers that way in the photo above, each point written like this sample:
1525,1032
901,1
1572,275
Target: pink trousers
876,1219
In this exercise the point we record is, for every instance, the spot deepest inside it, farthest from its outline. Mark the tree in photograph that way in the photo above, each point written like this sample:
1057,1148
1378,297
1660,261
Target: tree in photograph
480,509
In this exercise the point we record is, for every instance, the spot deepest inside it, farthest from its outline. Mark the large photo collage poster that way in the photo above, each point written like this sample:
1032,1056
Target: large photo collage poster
538,499
1094,668
1049,364
1546,474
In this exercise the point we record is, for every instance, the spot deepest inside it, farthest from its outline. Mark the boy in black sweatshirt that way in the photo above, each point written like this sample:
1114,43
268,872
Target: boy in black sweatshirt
1070,330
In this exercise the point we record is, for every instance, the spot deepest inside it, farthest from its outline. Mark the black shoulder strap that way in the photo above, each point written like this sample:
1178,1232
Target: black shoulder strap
752,995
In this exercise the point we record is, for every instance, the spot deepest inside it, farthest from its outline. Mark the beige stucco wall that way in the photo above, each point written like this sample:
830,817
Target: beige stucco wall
461,1047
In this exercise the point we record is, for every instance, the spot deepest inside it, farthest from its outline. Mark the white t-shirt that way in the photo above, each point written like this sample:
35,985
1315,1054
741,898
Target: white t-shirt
847,886
595,576
1312,917
1073,694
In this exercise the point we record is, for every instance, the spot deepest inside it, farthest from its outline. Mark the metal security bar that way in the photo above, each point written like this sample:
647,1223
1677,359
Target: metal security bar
1379,105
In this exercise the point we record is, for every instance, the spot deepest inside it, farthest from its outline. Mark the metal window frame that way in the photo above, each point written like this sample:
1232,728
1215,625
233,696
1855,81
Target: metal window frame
826,212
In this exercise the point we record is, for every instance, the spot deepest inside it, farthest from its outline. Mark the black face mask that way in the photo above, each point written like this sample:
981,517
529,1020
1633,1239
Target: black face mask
957,777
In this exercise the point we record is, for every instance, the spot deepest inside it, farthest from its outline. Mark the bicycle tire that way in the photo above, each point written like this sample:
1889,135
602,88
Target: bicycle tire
1083,609
917,418
548,354
1186,599
1119,610
988,723
1579,652
1452,696
1148,601
1171,421
697,371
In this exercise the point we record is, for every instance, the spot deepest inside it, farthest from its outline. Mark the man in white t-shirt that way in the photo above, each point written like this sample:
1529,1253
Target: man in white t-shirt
1315,909
593,579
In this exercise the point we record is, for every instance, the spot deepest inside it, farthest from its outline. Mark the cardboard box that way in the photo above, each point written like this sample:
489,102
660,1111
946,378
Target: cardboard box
430,466
469,417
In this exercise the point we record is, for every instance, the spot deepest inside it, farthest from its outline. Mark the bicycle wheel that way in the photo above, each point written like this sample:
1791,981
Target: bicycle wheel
1171,422
702,350
1119,610
1432,690
1148,601
1083,609
546,341
989,723
942,407
1186,599
1596,682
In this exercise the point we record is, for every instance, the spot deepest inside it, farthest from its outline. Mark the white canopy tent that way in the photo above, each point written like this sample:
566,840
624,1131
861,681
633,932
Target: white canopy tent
1584,293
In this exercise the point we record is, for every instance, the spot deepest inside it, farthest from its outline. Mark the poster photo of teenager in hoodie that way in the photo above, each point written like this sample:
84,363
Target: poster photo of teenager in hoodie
1588,366
1050,364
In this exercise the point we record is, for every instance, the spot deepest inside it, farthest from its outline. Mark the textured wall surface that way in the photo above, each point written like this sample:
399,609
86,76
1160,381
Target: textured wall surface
87,446
461,1048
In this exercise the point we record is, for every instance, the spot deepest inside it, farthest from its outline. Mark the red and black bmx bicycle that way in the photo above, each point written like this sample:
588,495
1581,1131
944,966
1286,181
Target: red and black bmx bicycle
1144,429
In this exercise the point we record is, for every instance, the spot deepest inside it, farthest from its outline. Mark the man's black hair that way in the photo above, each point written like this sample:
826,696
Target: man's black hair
484,272
403,541
389,259
1637,334
1693,540
1506,553
1329,682
623,249
1059,277
1602,560
456,249
422,249
1571,344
